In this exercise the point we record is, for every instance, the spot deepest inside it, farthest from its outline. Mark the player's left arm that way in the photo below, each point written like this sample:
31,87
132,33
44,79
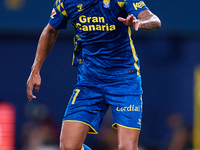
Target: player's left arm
145,20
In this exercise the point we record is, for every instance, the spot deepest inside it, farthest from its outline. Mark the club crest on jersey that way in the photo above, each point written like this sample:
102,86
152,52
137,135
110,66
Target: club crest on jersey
106,3
53,13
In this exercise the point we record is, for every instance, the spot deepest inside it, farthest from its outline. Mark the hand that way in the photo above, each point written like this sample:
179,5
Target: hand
34,80
131,21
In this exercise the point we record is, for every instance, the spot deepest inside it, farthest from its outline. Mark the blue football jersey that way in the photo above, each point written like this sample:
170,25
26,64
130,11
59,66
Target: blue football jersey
103,45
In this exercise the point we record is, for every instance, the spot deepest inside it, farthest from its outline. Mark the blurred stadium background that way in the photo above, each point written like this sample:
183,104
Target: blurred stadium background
170,61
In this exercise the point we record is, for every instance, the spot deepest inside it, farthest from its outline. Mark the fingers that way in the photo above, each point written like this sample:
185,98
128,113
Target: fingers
37,87
34,80
121,19
131,21
127,20
135,22
29,90
131,18
30,95
136,26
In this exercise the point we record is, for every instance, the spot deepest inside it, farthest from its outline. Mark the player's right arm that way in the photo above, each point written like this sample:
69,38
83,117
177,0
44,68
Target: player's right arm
45,44
140,17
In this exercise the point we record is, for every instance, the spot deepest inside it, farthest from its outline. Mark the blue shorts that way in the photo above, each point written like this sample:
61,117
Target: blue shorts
91,99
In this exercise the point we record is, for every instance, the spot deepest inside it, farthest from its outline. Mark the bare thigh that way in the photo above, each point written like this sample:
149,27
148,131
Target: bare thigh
73,135
127,138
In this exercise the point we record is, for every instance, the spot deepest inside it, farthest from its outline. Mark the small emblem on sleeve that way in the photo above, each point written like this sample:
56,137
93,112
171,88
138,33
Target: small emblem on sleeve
80,7
53,13
106,3
138,5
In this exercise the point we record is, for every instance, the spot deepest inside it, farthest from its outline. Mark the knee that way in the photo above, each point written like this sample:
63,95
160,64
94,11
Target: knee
69,146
